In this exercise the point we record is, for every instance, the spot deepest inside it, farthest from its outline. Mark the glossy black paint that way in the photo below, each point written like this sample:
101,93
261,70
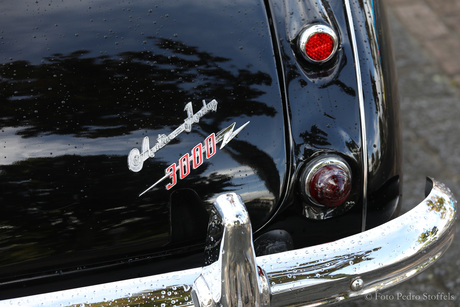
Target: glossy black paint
324,115
385,153
80,90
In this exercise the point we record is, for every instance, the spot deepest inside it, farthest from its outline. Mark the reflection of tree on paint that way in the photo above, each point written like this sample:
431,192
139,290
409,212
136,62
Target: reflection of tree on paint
79,212
105,96
71,204
315,138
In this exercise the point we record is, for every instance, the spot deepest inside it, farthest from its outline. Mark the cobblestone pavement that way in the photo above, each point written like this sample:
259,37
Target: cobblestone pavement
435,24
426,40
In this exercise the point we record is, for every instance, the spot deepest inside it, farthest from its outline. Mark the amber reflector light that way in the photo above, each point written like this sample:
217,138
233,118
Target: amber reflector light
330,186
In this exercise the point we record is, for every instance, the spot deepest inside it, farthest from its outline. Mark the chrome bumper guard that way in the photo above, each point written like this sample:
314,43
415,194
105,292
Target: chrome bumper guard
358,265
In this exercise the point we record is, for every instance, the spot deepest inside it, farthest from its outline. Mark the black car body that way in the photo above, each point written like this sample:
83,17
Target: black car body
123,123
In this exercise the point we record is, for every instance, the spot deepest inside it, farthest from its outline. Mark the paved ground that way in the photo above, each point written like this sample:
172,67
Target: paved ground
435,24
426,39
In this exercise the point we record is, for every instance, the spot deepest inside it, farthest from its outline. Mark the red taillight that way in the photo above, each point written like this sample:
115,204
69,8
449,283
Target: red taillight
330,186
319,47
318,43
326,182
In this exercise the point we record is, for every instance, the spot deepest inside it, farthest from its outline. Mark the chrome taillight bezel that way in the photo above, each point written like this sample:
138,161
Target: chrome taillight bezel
312,209
311,30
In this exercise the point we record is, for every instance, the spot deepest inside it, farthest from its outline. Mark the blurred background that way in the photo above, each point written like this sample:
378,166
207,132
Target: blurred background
426,42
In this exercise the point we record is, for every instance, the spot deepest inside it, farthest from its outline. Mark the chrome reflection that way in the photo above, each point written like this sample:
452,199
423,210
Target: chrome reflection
234,279
381,257
348,268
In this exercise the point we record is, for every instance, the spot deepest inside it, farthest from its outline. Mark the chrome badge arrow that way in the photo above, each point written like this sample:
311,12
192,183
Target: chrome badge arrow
227,134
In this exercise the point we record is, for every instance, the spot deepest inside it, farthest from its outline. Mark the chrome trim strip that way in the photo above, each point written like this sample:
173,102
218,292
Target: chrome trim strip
362,114
348,268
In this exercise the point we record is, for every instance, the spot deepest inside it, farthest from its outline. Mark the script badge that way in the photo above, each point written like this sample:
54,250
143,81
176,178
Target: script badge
137,158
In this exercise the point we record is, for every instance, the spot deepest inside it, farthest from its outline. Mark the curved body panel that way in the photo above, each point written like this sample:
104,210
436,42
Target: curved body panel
121,124
80,93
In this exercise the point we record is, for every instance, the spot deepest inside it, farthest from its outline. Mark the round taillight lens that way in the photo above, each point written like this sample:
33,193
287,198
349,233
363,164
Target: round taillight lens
330,185
318,43
319,46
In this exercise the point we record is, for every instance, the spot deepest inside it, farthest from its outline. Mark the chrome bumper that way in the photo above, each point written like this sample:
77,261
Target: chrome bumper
329,273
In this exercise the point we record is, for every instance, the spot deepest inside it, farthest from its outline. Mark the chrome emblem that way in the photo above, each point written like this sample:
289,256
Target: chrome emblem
137,158
207,149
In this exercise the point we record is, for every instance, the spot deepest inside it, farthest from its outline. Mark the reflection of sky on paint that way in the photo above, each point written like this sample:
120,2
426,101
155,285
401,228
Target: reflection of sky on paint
249,187
245,180
15,148
237,172
247,177
110,28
